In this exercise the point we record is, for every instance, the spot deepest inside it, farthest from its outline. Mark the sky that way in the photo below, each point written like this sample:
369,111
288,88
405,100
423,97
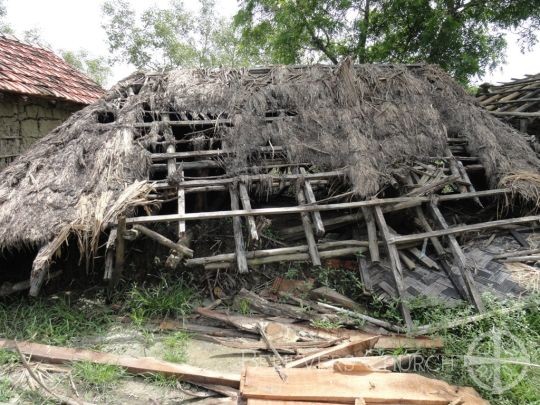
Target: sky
76,24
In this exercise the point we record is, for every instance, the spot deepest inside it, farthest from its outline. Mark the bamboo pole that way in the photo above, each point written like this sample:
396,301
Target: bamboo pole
395,262
238,237
164,241
308,230
246,205
372,234
310,198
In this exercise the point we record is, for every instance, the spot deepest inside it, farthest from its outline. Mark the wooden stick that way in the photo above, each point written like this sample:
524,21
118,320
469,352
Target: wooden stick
517,253
8,288
532,258
460,260
270,346
308,230
164,241
423,258
326,207
395,262
156,157
411,265
367,318
241,261
246,205
431,187
310,197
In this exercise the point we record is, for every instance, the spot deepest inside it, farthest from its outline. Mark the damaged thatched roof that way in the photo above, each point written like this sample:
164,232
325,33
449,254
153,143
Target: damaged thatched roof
371,119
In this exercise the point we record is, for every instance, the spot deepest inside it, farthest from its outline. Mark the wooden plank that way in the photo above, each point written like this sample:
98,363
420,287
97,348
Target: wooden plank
310,198
460,260
330,386
246,205
136,365
395,262
241,260
372,234
354,348
109,255
325,207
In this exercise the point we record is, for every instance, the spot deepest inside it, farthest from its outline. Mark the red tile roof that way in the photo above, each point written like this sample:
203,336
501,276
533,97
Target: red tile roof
26,69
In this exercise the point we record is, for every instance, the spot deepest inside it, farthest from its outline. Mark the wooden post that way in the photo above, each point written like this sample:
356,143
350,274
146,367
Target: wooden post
241,260
460,260
308,230
372,234
246,204
171,169
310,197
395,262
109,255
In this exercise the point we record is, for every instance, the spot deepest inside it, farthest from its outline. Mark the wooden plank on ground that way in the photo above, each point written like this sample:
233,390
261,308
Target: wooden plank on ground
374,388
137,365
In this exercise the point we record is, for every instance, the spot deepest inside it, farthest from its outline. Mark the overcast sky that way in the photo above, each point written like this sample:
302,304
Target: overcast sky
76,24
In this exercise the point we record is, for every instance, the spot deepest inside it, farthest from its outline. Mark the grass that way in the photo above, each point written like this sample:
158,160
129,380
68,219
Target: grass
480,339
6,392
166,299
175,347
97,377
326,324
51,321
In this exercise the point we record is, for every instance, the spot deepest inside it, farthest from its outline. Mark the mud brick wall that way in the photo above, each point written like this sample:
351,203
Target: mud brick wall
25,119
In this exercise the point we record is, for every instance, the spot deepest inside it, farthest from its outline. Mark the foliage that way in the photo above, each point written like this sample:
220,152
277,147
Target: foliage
164,38
99,377
6,391
464,37
94,67
175,347
54,321
523,324
4,27
326,323
169,298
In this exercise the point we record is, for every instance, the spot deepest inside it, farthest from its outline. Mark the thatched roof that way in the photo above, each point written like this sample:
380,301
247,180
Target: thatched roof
369,118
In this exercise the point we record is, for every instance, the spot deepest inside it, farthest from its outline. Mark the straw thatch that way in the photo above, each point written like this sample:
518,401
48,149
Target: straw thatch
372,119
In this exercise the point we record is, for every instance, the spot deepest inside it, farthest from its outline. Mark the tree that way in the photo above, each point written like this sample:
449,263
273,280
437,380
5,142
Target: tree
95,68
465,37
163,38
4,27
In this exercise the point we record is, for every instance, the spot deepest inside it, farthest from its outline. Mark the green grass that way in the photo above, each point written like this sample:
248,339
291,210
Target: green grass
175,347
7,357
97,377
523,325
161,380
166,299
6,392
52,321
326,324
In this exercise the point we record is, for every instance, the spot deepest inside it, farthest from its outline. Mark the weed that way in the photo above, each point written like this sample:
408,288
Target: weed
53,321
326,324
292,273
243,307
161,380
166,299
98,377
6,392
8,357
344,281
175,347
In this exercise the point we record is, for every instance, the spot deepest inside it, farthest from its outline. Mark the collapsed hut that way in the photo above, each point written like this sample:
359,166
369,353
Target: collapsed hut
393,167
516,102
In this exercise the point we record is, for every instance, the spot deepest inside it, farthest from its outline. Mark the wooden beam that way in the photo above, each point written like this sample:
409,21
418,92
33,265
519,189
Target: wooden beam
317,207
308,230
120,247
310,198
156,157
246,205
395,262
372,234
460,260
109,255
238,237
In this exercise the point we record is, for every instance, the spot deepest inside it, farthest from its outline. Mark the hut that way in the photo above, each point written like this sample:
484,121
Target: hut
38,91
232,169
516,102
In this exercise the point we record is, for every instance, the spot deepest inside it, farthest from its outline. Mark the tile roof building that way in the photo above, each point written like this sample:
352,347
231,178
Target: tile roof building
38,91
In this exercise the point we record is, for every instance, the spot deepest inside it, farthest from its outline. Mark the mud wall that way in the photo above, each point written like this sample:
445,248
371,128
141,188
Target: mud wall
25,119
